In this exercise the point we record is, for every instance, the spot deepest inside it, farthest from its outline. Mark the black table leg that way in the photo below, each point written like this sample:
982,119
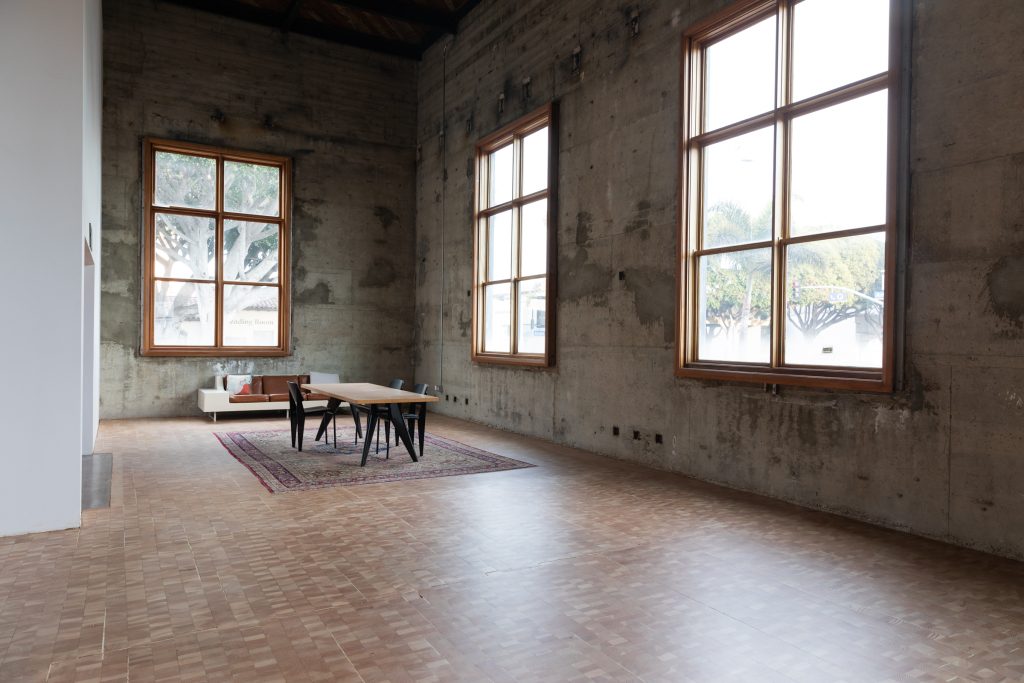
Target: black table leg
355,418
332,407
422,424
371,422
395,412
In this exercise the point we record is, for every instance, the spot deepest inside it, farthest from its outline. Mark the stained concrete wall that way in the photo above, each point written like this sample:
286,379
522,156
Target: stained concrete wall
942,457
345,116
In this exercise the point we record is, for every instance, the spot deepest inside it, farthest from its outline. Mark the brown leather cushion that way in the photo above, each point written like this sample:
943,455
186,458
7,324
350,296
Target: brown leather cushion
257,384
316,397
278,397
251,398
277,384
303,379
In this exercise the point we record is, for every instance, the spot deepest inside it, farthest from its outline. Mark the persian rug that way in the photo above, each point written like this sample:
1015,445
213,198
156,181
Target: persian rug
279,467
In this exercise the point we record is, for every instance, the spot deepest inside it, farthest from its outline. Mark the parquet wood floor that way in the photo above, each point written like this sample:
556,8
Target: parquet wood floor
581,569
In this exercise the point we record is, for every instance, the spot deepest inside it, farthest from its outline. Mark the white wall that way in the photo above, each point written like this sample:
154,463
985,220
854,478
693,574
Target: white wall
43,194
92,172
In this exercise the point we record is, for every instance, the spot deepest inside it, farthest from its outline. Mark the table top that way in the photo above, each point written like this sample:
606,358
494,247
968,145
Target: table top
366,394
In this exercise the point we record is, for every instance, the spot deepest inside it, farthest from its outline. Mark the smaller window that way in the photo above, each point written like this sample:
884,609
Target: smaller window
514,249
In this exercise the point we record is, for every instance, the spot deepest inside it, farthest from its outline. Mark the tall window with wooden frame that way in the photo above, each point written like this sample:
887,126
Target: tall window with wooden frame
789,158
514,243
216,252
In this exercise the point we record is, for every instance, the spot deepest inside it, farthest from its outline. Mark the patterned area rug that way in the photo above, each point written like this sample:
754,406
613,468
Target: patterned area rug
279,467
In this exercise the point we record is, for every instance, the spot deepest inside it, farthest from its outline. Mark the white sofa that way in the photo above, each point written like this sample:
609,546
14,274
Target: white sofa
217,400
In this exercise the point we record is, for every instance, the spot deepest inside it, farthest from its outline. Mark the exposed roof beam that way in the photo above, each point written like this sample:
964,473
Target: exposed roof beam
304,27
293,12
402,11
458,16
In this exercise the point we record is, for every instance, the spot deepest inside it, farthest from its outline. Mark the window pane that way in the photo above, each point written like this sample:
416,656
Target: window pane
535,161
498,318
734,306
186,181
738,182
500,176
834,302
250,315
533,248
836,42
183,313
184,247
532,315
251,251
252,188
499,246
740,75
839,166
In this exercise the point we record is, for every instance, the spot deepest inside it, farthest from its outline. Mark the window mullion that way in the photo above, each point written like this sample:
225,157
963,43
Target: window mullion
218,338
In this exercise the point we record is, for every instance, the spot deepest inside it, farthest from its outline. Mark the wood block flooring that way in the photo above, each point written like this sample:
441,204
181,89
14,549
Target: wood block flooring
581,569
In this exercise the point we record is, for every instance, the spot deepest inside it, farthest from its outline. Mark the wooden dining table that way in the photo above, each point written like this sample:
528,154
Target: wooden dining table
384,401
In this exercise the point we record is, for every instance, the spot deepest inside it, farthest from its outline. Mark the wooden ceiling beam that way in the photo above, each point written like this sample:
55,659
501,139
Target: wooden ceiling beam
305,27
403,11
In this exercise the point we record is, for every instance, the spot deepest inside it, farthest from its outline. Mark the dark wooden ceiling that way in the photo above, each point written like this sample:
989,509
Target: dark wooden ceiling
398,27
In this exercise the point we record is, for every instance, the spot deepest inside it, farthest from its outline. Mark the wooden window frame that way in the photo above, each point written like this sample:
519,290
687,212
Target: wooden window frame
693,140
513,134
150,147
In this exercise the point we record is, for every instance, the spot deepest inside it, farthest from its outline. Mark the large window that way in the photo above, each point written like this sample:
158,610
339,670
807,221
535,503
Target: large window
216,256
514,243
789,199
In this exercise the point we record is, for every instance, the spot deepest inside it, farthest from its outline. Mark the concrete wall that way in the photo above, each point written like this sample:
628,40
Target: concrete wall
47,187
345,116
943,457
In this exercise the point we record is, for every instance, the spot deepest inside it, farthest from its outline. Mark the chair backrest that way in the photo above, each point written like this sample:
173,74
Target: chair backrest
420,389
397,383
295,399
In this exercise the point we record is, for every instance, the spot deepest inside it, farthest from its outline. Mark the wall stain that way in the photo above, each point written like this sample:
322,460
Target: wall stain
584,223
579,279
640,220
654,296
385,215
318,294
381,273
1005,281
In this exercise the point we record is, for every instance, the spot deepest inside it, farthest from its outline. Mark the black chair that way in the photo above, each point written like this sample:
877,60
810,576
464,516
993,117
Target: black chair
298,412
417,418
382,413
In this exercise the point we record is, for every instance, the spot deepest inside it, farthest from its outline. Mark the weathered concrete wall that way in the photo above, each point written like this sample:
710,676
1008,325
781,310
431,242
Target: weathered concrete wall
346,117
943,457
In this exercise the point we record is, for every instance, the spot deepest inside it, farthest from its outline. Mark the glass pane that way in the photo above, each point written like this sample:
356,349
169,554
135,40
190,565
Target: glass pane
834,302
186,181
533,249
836,42
839,166
184,246
740,75
734,306
183,313
535,161
738,182
498,318
499,246
500,176
251,251
252,188
250,315
532,315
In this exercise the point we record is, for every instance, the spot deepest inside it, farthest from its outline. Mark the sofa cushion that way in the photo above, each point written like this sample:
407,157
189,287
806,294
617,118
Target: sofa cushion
278,397
278,384
249,398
